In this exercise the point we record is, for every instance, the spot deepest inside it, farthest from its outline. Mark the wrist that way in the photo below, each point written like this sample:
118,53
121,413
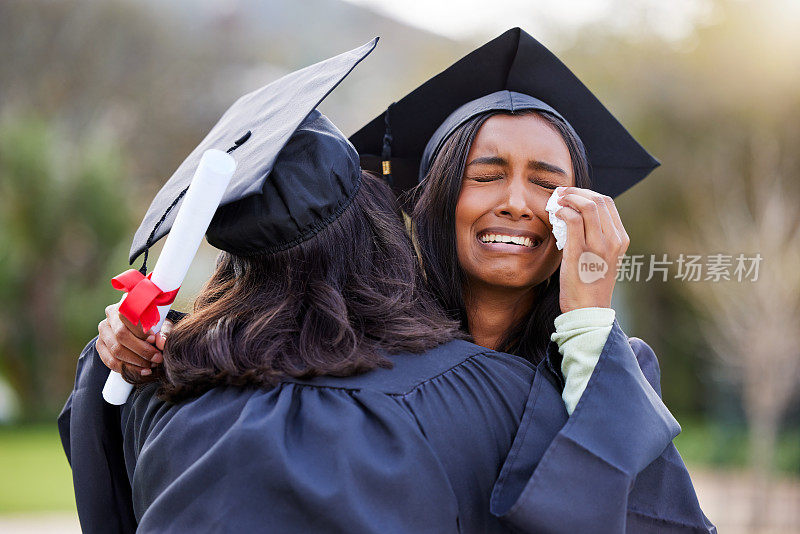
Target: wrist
570,306
588,317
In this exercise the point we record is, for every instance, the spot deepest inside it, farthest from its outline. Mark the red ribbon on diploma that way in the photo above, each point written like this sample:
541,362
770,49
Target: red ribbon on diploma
143,298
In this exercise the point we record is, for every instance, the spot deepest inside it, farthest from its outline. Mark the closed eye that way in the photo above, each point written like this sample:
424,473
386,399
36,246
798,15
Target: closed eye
486,178
547,184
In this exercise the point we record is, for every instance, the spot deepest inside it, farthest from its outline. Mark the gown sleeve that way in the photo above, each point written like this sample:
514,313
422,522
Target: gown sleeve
90,434
664,488
581,335
294,459
610,466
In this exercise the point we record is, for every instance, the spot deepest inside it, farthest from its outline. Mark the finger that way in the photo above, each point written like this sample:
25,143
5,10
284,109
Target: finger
135,376
609,216
115,317
613,240
576,240
161,341
112,314
591,218
606,206
610,233
112,309
621,232
124,356
130,340
136,329
116,365
117,350
167,327
105,356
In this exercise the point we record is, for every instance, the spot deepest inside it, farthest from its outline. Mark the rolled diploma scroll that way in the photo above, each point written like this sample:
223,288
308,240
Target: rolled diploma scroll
199,205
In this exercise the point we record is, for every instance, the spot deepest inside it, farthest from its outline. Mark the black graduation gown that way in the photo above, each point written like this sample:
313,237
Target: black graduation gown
412,449
389,461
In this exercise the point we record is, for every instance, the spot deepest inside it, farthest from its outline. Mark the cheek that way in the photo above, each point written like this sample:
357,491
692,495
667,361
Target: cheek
469,209
463,233
552,258
467,206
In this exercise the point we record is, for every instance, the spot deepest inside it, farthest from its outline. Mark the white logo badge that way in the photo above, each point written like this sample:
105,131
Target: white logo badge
591,267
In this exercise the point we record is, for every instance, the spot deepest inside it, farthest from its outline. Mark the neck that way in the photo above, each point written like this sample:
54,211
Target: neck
492,311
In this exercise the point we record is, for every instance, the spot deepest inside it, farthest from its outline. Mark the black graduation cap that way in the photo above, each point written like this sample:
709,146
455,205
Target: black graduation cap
512,63
296,171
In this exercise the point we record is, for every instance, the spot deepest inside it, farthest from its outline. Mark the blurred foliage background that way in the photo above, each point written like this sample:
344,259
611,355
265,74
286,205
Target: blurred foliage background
100,102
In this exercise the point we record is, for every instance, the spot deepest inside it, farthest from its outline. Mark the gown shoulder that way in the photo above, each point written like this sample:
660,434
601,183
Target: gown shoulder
411,372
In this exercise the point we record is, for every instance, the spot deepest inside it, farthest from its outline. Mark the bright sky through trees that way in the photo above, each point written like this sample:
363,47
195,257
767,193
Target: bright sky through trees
482,18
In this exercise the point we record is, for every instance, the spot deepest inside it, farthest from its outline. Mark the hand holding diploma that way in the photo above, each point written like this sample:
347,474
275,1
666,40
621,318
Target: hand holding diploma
148,299
120,344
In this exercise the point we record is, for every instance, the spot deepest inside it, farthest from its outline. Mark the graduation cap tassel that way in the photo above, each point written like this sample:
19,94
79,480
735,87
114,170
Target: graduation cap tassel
239,142
386,153
143,269
149,243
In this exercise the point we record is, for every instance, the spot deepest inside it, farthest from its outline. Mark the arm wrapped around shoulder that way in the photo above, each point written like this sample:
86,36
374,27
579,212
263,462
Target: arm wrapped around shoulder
620,417
581,480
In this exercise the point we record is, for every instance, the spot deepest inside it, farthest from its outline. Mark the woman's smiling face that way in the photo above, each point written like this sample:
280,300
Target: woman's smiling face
503,234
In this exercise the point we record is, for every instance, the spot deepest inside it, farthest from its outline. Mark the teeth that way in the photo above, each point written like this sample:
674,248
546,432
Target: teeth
518,240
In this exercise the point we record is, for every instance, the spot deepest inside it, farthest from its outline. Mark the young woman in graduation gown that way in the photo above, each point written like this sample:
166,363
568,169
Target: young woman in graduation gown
490,139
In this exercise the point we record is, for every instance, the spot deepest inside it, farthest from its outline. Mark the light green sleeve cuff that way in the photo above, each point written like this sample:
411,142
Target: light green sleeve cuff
580,335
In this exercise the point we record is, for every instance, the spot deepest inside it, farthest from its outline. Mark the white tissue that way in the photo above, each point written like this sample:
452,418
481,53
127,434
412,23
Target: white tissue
559,226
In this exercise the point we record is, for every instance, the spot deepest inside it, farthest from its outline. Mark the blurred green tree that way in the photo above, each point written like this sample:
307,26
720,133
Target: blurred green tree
753,326
63,218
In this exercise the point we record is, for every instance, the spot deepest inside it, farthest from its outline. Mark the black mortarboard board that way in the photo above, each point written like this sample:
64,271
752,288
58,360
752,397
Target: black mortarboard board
312,168
512,62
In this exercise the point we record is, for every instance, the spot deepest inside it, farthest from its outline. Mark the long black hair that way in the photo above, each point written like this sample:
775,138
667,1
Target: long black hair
433,222
332,305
